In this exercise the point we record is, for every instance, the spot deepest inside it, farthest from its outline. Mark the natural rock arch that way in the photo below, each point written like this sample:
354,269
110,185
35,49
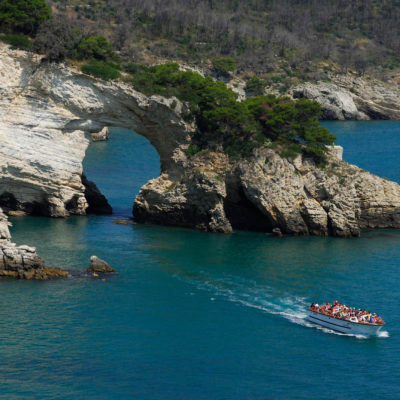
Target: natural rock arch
47,112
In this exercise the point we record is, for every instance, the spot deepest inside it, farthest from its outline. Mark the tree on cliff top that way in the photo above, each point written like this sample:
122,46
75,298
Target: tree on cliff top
57,38
239,126
23,16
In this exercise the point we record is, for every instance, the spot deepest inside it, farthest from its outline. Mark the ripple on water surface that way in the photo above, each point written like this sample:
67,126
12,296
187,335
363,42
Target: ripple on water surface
199,316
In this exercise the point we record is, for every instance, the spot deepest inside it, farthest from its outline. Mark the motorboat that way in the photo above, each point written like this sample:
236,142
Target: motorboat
351,326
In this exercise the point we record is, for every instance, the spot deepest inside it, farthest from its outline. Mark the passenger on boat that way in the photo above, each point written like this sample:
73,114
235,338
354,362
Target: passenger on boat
341,311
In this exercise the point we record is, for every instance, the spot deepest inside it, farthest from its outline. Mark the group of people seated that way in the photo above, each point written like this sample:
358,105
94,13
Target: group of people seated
341,311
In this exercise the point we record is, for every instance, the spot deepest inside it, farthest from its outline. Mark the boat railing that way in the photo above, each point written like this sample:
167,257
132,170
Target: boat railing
347,320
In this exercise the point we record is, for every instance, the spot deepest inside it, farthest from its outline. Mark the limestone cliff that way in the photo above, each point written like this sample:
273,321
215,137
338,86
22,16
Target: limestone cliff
47,112
352,98
266,192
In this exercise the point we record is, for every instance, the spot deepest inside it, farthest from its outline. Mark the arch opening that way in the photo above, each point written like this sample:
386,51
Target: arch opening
116,169
48,113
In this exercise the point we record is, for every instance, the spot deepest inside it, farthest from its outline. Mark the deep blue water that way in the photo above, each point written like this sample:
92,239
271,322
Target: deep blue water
192,315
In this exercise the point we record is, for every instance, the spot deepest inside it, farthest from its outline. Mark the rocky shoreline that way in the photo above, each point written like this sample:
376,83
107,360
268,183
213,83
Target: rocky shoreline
22,262
49,111
267,192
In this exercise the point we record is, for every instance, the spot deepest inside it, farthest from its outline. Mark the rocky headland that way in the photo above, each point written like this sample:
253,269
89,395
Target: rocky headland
267,191
48,112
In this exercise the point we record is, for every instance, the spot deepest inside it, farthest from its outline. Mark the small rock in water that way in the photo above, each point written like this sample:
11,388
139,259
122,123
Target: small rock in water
17,213
277,232
101,136
124,222
99,266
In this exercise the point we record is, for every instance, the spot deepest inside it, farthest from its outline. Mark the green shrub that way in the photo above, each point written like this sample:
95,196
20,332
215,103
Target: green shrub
101,70
292,150
57,39
96,47
287,121
192,150
23,16
17,41
255,86
224,65
133,68
238,149
113,65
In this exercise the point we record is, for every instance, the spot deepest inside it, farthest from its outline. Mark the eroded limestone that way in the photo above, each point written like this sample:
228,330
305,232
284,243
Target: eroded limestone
47,112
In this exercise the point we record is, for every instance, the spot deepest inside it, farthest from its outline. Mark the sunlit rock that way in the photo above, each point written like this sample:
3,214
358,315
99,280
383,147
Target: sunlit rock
48,111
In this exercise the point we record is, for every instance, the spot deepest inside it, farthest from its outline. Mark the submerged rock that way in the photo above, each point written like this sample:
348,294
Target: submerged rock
124,222
277,232
17,213
99,266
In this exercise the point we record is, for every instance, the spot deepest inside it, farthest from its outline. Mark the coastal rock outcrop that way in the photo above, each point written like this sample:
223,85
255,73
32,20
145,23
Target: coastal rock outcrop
97,202
336,103
376,99
22,261
266,192
352,98
47,112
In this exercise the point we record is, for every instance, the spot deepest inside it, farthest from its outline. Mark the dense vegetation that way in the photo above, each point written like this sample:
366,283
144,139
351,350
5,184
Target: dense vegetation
58,39
17,41
294,36
291,126
23,16
103,70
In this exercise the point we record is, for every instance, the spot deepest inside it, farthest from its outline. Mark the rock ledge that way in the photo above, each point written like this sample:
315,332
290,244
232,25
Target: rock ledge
22,261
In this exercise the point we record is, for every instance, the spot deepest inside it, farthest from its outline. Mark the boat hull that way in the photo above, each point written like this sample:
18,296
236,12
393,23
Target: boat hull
342,326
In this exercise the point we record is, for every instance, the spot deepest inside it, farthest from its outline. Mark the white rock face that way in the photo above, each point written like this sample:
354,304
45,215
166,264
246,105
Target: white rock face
376,99
46,114
22,262
337,151
352,98
336,103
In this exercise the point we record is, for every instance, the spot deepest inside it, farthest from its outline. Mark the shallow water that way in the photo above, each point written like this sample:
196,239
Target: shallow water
192,315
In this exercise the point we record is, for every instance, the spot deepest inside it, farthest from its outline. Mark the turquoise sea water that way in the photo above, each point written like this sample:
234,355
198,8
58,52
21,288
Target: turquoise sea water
192,315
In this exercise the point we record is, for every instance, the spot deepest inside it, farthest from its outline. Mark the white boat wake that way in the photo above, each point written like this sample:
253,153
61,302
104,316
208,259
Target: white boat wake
261,297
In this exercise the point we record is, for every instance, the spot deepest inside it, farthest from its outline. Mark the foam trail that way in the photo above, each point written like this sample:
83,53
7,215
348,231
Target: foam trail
383,334
261,297
250,294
